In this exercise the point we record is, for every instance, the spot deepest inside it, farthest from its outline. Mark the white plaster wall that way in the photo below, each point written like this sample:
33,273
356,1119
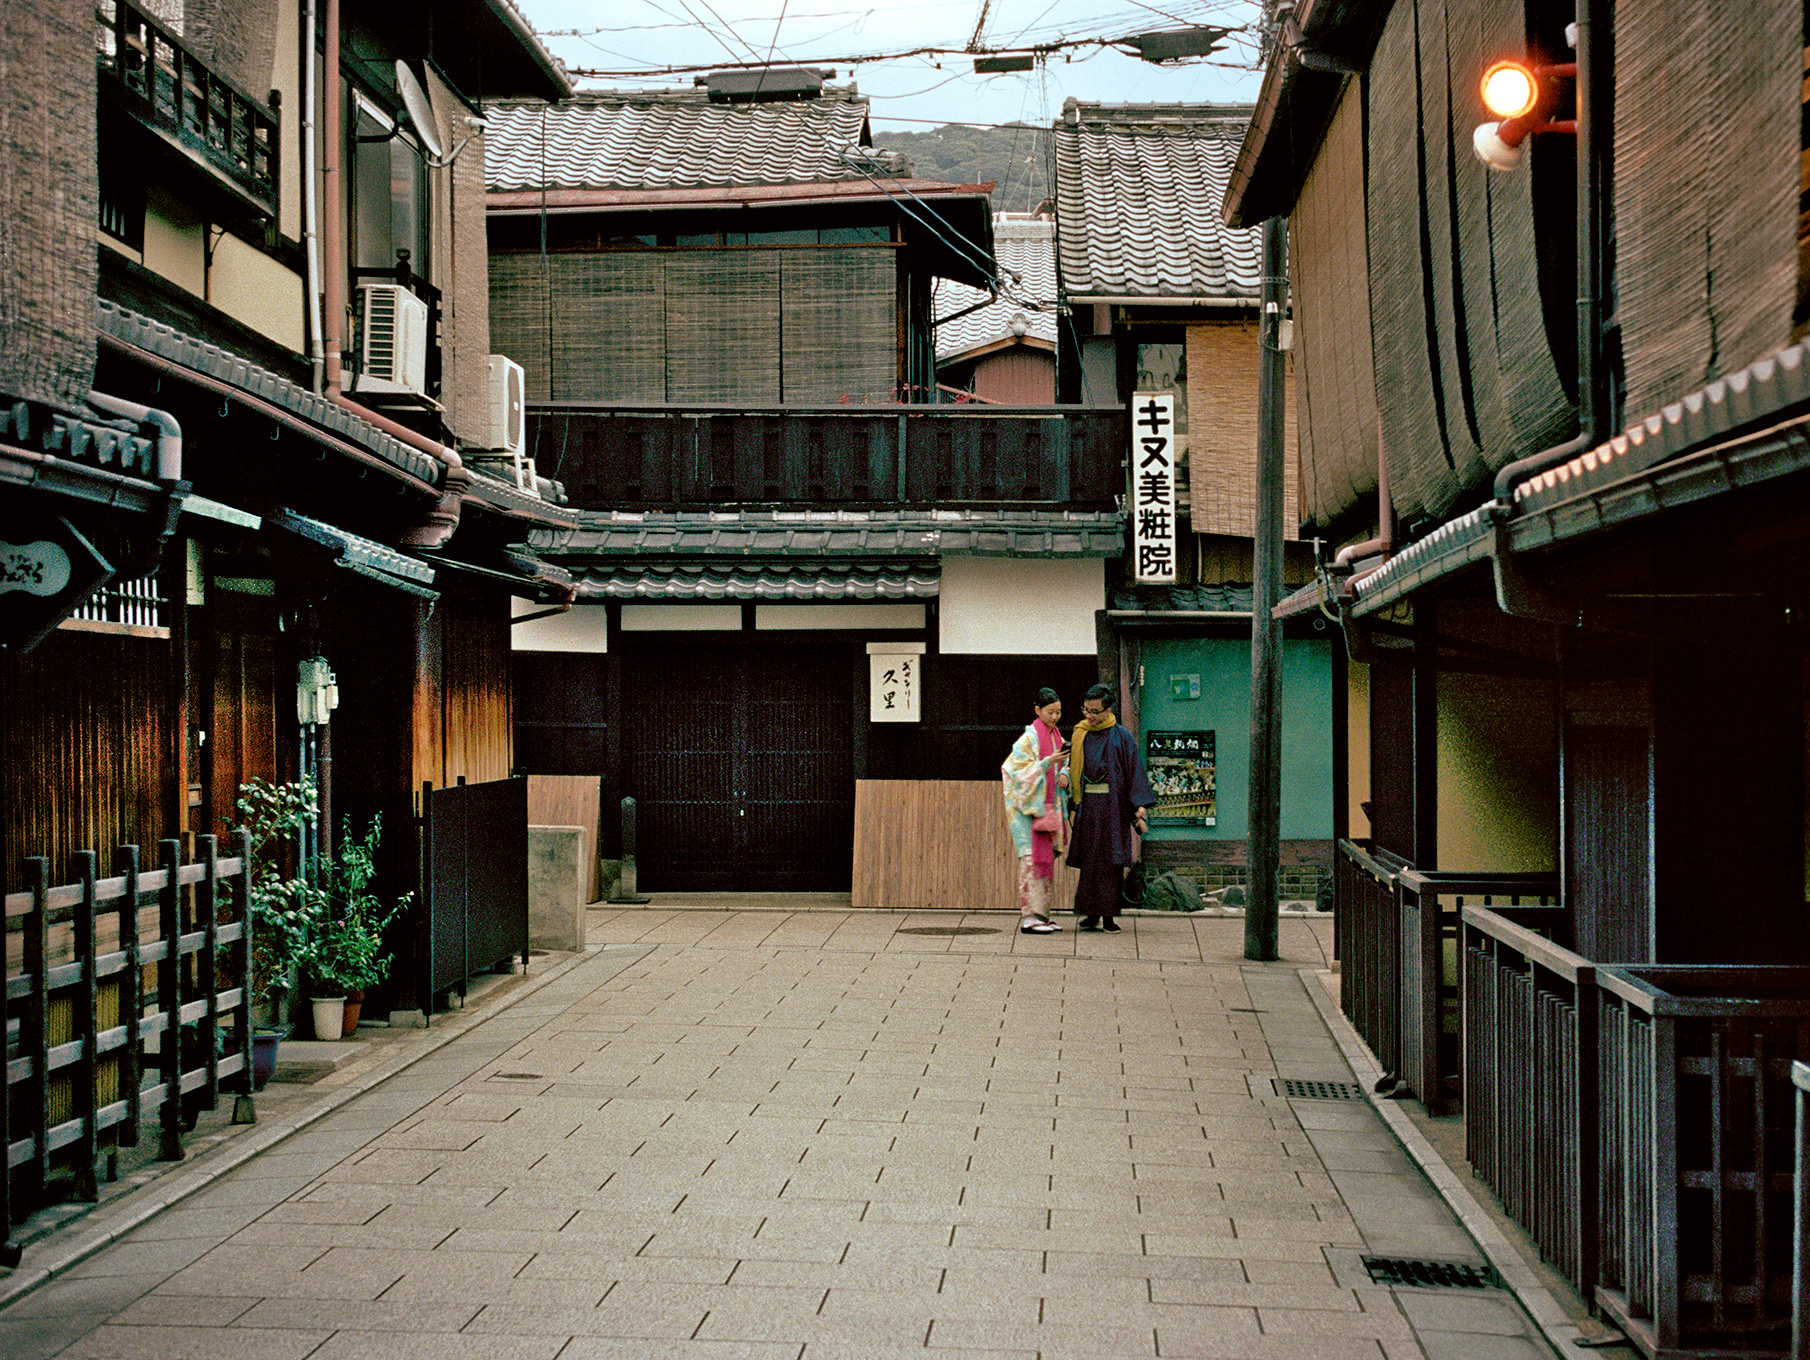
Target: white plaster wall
1015,606
789,616
582,628
681,618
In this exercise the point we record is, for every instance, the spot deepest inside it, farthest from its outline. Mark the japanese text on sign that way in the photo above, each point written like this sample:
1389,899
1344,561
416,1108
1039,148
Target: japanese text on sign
1152,502
893,687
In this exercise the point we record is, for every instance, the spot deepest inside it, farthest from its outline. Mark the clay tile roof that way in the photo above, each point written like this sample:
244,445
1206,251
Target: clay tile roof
1138,194
677,139
1027,249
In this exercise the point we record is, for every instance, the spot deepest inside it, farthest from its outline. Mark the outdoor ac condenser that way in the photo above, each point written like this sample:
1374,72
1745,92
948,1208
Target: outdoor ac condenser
393,339
508,408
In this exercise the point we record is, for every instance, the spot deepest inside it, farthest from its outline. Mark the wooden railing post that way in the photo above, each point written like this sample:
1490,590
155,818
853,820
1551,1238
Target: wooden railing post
82,867
131,999
169,1000
242,960
1800,1216
208,904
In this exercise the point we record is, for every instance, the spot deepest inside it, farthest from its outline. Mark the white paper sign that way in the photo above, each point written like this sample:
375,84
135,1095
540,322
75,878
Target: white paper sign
1152,502
893,688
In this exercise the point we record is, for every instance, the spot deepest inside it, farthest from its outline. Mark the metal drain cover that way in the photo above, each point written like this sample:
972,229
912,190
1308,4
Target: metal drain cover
1296,1089
948,930
1399,1271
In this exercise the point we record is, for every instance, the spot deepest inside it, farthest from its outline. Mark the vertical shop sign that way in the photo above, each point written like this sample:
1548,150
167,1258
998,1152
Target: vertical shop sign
1153,507
895,681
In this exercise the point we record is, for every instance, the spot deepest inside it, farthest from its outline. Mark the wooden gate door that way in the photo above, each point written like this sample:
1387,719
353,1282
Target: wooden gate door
740,760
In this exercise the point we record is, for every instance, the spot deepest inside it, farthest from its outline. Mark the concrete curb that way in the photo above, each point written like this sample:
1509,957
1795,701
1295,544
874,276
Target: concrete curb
64,1249
1557,1328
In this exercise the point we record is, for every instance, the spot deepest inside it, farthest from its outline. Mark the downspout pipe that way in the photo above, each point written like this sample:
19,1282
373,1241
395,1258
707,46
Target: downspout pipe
443,519
311,190
144,558
1591,408
1384,542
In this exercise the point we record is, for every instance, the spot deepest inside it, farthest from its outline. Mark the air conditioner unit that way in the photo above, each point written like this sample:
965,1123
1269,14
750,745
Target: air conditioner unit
392,340
508,406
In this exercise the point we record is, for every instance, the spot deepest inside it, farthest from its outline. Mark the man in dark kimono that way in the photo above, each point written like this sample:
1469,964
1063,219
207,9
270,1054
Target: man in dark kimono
1105,770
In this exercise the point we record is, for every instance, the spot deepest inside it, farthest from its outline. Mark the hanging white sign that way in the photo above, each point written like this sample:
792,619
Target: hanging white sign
1154,528
895,681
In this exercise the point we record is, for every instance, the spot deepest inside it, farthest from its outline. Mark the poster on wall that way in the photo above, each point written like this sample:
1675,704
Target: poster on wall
1183,777
1153,507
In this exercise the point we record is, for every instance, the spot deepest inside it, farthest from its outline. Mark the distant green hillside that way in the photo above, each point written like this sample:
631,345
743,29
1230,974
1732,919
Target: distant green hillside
1016,156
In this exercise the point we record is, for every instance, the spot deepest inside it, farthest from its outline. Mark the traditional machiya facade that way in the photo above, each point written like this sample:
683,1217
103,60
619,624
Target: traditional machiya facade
1551,413
261,432
1163,298
723,306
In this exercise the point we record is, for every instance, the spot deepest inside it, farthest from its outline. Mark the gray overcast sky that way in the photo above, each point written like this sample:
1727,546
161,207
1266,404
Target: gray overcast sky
909,94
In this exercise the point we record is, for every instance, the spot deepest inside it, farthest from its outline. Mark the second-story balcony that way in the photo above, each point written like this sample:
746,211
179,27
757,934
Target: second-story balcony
654,457
189,110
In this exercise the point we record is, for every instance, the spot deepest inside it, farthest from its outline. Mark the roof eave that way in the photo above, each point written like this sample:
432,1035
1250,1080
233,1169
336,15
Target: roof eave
1296,104
558,83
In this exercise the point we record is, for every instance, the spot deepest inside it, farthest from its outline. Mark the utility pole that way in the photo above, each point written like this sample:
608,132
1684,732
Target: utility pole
1265,845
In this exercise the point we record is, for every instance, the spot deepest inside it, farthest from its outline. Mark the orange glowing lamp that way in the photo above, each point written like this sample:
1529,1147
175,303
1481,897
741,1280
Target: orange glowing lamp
1510,89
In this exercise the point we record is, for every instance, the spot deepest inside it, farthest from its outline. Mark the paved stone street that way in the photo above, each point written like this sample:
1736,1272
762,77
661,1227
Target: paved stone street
821,1134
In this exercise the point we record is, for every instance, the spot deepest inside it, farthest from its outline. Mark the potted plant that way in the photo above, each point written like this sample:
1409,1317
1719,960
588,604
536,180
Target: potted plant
275,815
341,946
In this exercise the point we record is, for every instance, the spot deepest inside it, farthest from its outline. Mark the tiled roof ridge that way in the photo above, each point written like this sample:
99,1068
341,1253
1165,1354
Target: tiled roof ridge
832,94
166,342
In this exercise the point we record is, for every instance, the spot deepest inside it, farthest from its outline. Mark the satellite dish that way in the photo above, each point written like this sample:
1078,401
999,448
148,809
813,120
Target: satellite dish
420,111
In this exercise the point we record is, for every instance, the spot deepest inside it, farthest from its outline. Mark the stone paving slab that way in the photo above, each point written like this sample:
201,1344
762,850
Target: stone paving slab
807,1134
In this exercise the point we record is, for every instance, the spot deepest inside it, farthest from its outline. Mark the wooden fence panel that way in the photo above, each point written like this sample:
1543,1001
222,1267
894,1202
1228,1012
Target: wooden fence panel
938,845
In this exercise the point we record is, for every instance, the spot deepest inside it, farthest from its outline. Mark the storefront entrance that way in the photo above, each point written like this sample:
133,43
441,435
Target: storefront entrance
741,762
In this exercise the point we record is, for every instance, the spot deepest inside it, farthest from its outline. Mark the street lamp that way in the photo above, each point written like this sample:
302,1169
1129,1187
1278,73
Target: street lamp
1520,94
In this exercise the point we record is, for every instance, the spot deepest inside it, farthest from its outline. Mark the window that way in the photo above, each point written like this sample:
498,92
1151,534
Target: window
388,190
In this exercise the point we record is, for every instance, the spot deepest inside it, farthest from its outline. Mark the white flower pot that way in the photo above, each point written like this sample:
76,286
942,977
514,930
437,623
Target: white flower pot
329,1017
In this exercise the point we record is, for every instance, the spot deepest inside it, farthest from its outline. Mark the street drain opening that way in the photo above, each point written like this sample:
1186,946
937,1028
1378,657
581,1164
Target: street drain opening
1296,1089
1397,1271
948,930
518,1076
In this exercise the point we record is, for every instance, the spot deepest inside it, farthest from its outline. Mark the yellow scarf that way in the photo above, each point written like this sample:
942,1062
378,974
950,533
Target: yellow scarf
1076,786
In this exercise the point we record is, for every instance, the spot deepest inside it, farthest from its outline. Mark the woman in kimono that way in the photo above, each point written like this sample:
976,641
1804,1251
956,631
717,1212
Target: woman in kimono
1113,798
1036,787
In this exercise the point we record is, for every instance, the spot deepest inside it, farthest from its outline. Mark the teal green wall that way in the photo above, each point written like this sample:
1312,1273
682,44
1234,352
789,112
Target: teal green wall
1224,708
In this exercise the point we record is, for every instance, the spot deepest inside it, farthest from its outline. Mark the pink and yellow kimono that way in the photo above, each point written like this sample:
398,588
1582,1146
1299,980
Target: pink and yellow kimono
1029,776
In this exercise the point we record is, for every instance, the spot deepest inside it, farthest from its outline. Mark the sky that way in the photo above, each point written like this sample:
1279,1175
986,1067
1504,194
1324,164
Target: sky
631,40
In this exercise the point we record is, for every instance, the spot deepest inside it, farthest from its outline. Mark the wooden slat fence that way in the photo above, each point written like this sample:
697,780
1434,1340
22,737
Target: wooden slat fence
99,976
939,845
1367,927
1696,1153
1530,1056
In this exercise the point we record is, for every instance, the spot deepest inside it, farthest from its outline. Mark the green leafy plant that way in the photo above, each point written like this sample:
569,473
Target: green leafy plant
329,928
276,815
342,944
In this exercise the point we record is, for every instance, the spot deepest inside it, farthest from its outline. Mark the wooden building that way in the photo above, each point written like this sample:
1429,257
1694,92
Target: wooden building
1568,465
1161,296
264,402
722,300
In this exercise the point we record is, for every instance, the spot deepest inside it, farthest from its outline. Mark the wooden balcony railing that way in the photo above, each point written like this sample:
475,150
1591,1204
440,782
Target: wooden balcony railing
674,456
1697,1153
1397,936
1637,1121
1530,1056
187,105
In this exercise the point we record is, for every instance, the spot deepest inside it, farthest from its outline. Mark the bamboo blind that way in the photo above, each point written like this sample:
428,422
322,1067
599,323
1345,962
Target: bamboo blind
1223,364
1336,418
837,324
938,845
520,312
609,330
722,322
1707,148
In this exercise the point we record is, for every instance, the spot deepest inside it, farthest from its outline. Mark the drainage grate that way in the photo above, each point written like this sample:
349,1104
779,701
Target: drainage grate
519,1076
1396,1271
948,930
1296,1089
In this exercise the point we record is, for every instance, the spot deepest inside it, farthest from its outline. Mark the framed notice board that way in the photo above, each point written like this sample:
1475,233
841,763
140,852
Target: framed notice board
1184,778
